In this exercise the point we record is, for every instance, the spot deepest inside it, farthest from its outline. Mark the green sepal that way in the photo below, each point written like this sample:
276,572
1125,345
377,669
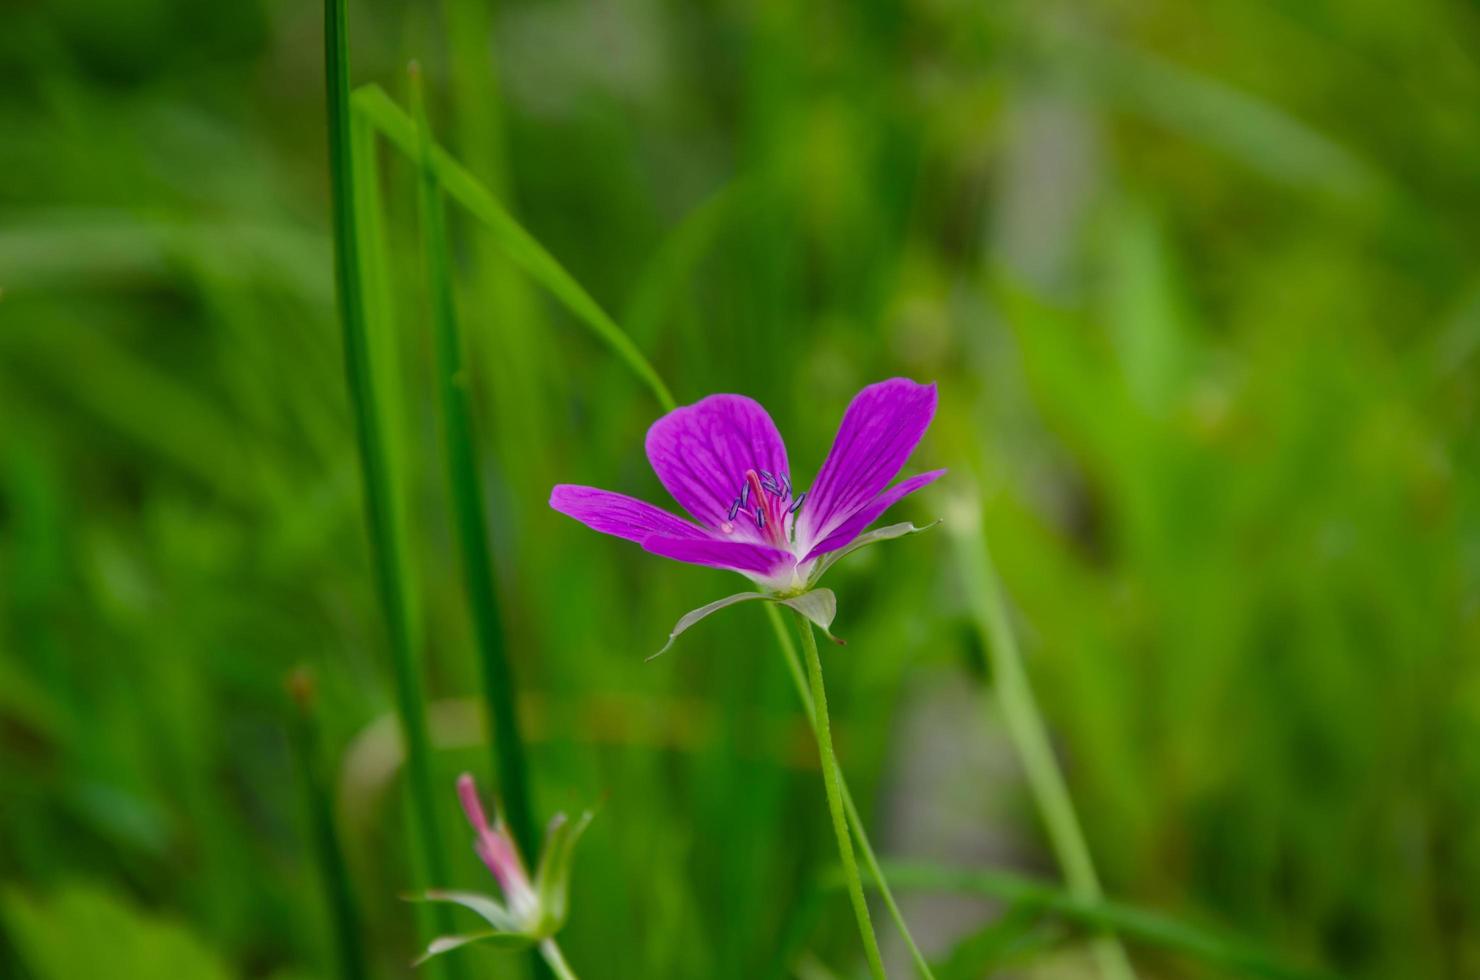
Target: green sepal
818,605
491,937
490,910
552,877
863,541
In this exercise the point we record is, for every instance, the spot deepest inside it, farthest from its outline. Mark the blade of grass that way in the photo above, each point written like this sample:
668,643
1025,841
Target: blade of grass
466,490
504,326
380,325
388,559
1132,921
318,801
1029,734
517,244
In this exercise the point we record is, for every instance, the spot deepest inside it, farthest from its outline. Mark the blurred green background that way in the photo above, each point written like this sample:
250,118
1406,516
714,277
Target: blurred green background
1200,285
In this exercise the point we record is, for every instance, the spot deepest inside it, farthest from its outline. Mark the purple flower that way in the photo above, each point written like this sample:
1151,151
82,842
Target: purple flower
724,462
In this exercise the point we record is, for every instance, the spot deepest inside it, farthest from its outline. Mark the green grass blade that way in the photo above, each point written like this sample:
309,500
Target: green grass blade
517,244
1131,921
466,490
383,338
505,327
1029,734
391,571
344,915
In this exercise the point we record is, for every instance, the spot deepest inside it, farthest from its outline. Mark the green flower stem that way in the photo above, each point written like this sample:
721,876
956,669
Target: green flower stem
1030,735
832,779
388,557
551,952
860,833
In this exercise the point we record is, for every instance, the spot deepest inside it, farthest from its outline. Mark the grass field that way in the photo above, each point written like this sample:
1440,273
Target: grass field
1199,286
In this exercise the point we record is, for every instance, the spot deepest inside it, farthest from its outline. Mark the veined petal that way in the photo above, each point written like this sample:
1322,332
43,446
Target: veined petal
701,452
851,528
620,515
880,429
739,556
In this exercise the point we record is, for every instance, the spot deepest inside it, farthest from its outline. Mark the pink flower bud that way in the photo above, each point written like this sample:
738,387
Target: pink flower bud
497,849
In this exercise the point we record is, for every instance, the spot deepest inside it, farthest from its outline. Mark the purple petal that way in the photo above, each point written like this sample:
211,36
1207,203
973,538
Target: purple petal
701,453
880,429
870,512
618,514
739,556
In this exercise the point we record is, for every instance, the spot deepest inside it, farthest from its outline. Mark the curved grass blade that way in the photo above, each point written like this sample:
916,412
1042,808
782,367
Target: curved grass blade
521,247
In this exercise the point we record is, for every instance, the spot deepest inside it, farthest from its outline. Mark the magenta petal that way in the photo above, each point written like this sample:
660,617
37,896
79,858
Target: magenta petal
880,429
739,556
467,792
618,514
701,452
862,518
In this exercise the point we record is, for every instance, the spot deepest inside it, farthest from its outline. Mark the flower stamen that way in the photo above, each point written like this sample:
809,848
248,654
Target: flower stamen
762,497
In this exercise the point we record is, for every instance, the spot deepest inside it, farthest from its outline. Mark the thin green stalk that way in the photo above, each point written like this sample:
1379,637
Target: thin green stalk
318,800
519,245
391,575
832,780
860,832
551,952
383,340
466,490
1030,735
